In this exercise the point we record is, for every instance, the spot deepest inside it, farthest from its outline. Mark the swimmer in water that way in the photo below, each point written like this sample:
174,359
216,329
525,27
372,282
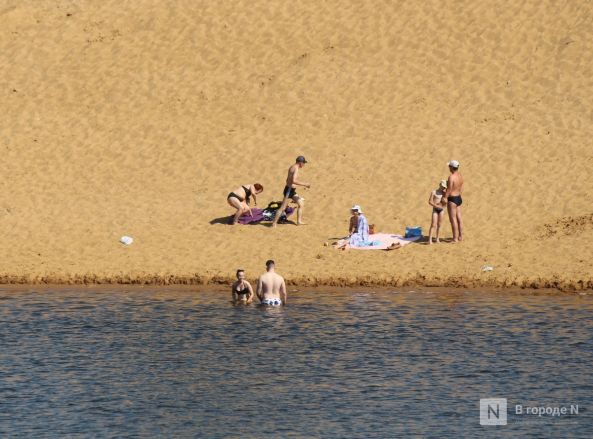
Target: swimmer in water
271,288
241,289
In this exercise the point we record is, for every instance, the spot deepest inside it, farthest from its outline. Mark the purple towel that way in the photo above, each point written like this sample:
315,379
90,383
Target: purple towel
258,215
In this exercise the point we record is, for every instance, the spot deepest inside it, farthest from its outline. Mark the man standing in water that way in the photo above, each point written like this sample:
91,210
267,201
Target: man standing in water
290,191
271,289
454,201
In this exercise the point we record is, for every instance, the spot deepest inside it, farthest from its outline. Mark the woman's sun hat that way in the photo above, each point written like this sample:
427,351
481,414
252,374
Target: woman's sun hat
357,208
443,184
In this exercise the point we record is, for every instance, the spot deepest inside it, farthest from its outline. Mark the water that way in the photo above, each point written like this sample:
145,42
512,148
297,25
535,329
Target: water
149,363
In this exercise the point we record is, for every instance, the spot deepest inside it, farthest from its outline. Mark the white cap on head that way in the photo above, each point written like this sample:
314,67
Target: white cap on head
357,208
453,164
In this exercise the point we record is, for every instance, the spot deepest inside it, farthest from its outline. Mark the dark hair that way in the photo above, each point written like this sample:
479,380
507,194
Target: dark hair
269,263
258,187
240,270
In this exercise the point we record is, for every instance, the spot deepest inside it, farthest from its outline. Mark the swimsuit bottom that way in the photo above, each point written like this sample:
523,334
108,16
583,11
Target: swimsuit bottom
289,192
271,302
436,210
234,195
456,199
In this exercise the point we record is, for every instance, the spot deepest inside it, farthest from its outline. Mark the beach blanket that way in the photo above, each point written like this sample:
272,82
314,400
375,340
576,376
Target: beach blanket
382,241
263,215
258,215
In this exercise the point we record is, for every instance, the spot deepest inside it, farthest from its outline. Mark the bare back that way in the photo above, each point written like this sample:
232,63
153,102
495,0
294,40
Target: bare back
271,286
241,191
455,184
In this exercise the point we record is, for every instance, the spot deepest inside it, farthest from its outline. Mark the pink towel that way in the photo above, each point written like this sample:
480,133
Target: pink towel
384,241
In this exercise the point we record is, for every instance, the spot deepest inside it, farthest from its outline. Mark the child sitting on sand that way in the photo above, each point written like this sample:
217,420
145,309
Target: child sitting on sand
438,212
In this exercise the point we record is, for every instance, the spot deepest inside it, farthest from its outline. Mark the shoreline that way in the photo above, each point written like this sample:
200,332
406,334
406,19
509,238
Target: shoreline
113,134
418,282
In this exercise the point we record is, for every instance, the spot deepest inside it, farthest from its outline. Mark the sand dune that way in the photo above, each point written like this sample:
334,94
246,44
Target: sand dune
139,117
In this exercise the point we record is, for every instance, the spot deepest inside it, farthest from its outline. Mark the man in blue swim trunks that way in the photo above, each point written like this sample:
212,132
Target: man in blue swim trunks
271,289
454,201
290,192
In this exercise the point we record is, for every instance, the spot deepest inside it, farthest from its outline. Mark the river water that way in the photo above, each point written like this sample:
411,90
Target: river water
163,363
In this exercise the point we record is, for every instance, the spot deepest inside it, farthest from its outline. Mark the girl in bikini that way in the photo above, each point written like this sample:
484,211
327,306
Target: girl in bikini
438,210
240,199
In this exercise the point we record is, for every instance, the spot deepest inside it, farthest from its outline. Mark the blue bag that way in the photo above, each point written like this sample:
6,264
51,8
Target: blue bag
413,231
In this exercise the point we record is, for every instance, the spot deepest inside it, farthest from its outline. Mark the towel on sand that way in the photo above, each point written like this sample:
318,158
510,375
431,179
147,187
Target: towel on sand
260,215
385,240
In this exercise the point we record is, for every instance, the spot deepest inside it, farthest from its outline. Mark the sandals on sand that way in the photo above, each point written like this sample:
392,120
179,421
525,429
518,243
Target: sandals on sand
394,246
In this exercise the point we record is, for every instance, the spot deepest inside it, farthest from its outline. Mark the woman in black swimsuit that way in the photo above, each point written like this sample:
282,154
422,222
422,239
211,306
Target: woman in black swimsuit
241,289
241,197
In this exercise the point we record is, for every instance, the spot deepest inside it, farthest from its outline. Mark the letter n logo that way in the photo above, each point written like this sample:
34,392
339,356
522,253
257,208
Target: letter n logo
493,411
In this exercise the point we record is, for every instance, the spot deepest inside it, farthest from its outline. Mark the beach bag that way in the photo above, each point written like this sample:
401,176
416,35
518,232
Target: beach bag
270,211
414,231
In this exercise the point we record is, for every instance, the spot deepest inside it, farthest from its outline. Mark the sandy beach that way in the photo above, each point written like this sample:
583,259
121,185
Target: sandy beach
138,118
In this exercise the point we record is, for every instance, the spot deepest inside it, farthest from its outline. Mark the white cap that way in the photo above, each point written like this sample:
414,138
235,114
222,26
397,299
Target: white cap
357,208
453,164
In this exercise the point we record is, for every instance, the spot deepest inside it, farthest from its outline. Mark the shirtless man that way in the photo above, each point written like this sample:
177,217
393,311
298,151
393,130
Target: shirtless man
453,198
290,191
271,289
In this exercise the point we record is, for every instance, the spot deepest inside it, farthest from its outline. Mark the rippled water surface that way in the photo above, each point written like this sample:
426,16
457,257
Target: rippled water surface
150,363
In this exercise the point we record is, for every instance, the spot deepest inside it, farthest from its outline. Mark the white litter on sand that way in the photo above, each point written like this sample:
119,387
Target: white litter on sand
127,240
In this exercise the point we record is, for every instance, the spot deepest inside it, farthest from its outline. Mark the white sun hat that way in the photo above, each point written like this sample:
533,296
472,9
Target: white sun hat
357,208
453,164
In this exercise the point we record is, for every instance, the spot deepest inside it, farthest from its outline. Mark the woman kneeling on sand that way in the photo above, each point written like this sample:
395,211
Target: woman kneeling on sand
242,290
438,212
240,199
